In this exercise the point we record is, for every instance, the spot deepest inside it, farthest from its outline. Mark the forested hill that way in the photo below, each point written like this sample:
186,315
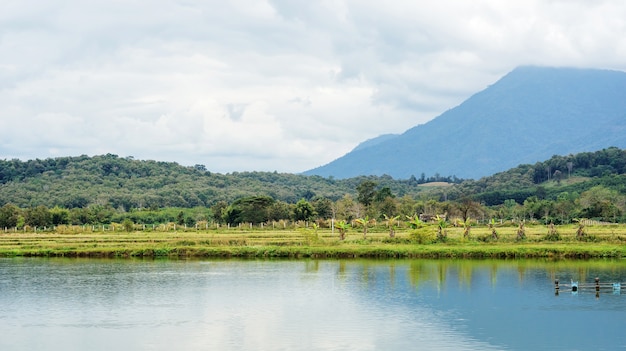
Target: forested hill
568,175
125,183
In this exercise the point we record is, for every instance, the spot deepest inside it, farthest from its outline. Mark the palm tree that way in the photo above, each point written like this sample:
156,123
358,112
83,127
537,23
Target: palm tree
494,233
521,232
391,222
414,222
467,225
441,228
580,233
364,222
343,227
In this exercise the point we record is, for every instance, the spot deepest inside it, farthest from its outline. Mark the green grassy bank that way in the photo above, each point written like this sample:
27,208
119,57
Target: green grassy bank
600,241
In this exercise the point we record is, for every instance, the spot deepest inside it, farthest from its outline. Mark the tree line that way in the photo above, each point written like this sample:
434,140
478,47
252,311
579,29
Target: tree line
110,189
371,201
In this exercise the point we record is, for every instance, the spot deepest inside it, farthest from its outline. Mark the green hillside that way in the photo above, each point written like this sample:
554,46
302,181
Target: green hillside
101,189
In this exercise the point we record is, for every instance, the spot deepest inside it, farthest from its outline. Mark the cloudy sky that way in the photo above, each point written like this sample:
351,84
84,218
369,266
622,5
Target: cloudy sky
267,85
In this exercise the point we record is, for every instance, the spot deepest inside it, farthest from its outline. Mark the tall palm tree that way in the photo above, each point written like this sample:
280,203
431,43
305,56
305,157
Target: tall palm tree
364,222
391,222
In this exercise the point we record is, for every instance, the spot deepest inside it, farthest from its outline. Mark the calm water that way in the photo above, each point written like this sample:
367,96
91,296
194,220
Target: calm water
61,304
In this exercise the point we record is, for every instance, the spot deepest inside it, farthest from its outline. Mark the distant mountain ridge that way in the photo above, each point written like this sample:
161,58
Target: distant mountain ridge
529,115
375,141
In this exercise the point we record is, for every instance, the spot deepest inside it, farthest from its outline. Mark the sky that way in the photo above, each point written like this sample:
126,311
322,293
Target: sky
268,85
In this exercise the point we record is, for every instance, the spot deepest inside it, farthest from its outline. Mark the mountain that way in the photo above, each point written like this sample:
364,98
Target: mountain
528,115
374,141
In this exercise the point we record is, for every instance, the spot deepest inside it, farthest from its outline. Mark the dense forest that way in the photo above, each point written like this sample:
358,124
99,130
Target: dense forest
107,188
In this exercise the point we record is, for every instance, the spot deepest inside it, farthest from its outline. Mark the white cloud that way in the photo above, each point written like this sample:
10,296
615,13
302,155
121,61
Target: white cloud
267,85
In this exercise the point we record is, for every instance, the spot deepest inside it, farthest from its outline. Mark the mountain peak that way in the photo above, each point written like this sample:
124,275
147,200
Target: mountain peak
530,114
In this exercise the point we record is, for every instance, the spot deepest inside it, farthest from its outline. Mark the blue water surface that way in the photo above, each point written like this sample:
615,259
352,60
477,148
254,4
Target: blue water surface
80,304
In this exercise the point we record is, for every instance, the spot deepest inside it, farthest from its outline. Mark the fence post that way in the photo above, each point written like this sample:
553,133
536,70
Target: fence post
556,287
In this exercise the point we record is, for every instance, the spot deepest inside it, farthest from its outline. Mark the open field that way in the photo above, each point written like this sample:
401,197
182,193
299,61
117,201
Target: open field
600,241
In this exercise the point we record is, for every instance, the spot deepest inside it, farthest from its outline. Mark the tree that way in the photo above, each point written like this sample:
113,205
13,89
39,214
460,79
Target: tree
391,223
442,233
279,210
383,194
128,225
190,221
38,216
467,206
343,227
467,226
252,209
60,215
388,206
346,207
494,232
200,168
363,222
414,222
600,202
366,191
303,211
521,232
570,166
323,208
9,215
218,211
557,176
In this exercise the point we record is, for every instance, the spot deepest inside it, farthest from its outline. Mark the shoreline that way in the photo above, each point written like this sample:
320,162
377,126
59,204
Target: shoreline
386,251
609,242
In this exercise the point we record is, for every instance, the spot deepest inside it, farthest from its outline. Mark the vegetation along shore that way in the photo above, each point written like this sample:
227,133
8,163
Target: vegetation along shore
434,240
107,206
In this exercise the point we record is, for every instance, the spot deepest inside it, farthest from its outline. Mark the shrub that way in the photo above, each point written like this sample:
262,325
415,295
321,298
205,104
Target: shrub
422,236
486,238
128,225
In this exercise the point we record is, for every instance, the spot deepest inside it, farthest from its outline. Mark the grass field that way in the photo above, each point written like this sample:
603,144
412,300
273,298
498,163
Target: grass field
600,241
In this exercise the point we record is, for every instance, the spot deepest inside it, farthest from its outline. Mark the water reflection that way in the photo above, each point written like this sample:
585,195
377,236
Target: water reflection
306,305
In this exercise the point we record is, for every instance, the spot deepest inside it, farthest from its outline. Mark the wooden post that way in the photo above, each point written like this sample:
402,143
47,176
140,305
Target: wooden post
556,287
597,284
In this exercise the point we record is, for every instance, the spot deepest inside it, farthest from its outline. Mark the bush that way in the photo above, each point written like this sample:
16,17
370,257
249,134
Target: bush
396,241
587,238
128,225
423,236
486,238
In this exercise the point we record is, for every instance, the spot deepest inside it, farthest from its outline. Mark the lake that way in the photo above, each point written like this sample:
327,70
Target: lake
87,304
